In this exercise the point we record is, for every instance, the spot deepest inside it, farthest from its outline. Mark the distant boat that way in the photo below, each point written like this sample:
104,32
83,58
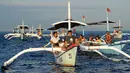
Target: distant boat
21,31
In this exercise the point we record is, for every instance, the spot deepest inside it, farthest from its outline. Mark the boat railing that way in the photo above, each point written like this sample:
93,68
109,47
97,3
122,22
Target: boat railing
104,43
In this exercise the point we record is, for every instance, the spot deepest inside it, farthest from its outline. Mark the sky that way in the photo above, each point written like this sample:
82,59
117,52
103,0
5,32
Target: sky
47,12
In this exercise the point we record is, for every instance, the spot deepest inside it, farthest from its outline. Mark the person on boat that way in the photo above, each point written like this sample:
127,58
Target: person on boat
108,38
69,38
91,39
54,39
74,44
82,38
98,40
63,32
39,33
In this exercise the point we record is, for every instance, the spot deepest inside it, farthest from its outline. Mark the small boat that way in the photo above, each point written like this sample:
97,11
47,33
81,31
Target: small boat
118,41
21,31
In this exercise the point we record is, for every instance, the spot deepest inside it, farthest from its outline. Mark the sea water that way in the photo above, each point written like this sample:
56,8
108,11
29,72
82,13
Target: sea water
44,62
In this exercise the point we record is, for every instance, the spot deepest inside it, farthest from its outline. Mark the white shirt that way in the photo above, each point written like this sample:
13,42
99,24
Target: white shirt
54,39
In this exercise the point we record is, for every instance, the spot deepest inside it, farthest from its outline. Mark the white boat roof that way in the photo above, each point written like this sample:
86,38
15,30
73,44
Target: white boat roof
72,21
21,26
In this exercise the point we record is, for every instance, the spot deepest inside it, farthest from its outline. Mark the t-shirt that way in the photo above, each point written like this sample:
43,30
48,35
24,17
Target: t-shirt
55,40
70,39
98,40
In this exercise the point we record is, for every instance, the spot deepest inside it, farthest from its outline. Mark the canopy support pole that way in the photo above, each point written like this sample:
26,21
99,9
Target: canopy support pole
69,16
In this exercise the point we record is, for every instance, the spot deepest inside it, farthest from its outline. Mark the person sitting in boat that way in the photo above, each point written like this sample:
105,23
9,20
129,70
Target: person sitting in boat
115,32
54,39
91,39
82,38
108,38
98,40
70,46
69,38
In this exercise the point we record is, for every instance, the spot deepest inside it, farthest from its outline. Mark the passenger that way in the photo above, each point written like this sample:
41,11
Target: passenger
82,38
69,38
75,43
98,40
115,31
54,39
91,39
61,43
108,38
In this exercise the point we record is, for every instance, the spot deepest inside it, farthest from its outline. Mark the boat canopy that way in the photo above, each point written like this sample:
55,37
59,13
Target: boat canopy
52,28
100,23
39,29
117,27
22,26
64,24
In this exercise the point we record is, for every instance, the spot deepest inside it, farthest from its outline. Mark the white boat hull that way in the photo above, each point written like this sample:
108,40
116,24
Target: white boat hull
21,36
67,58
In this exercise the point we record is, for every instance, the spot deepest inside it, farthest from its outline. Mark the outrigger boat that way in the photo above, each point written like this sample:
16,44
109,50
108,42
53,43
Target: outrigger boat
65,58
21,31
114,48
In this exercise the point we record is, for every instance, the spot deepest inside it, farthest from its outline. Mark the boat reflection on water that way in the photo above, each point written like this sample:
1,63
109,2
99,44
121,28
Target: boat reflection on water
68,69
63,69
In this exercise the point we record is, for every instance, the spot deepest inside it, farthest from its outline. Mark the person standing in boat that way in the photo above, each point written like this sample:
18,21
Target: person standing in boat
54,39
69,38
